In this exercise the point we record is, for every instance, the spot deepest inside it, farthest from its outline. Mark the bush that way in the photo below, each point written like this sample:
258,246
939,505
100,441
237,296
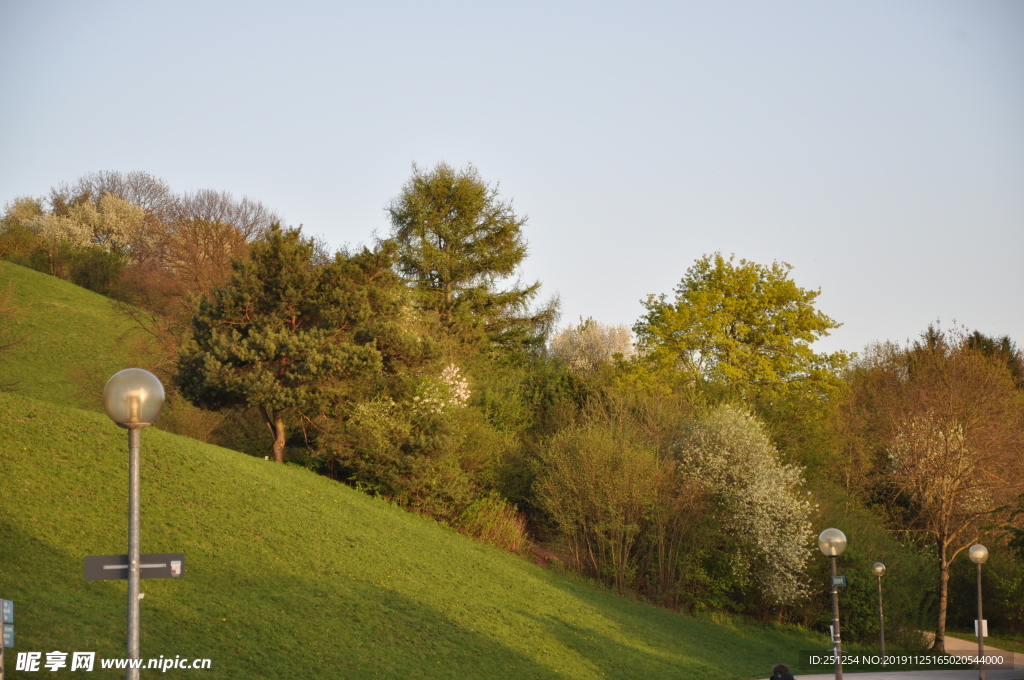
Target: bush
494,520
601,487
729,451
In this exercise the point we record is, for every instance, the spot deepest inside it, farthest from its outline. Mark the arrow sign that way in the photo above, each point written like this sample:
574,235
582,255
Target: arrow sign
115,567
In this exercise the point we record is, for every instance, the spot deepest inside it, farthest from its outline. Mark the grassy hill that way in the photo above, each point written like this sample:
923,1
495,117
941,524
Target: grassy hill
66,334
291,575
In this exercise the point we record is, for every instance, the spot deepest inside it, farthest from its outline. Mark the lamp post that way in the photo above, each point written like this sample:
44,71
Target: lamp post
832,543
133,398
979,555
878,569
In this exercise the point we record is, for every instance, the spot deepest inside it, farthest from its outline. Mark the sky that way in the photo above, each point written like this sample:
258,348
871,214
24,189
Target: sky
876,147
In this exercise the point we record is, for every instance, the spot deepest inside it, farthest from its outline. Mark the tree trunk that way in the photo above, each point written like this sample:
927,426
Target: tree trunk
940,631
275,423
279,441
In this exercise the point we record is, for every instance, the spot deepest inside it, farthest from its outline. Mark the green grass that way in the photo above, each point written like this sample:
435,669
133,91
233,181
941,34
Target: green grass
69,337
291,575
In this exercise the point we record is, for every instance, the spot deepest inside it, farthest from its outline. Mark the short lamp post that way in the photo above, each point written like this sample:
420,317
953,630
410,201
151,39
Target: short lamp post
878,569
133,398
979,555
832,543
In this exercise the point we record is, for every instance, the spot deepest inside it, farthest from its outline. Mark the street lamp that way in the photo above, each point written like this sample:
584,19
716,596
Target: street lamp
878,569
832,543
133,398
979,555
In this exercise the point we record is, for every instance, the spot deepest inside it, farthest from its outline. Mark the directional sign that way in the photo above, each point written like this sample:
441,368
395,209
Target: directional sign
7,611
115,567
8,635
839,581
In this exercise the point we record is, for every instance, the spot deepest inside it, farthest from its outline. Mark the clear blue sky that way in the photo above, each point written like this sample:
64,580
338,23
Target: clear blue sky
878,147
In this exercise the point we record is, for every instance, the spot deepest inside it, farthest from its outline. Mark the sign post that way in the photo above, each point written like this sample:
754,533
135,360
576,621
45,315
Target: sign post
7,617
116,567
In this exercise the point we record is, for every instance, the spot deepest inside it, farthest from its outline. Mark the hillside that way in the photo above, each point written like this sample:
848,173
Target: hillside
66,336
289,575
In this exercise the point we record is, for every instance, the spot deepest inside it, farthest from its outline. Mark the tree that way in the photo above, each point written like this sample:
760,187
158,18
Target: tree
457,240
592,344
748,326
757,498
288,334
941,427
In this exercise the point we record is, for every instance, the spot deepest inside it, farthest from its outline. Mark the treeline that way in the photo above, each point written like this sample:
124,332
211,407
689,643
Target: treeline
691,460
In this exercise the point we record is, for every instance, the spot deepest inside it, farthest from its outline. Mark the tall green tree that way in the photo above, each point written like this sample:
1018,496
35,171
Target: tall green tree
291,334
746,325
458,240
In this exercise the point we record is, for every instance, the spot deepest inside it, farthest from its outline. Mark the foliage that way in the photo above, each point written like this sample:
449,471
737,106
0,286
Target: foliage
457,240
601,488
729,452
591,345
287,334
495,521
910,601
937,427
748,326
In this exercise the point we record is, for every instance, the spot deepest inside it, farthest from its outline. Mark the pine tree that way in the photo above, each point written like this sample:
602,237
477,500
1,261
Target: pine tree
290,333
457,241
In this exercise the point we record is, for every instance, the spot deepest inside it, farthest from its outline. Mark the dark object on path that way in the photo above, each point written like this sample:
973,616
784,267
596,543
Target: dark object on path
781,672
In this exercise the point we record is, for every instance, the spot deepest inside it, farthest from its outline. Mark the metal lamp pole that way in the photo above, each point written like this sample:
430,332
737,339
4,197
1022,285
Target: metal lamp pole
979,555
878,569
133,399
832,543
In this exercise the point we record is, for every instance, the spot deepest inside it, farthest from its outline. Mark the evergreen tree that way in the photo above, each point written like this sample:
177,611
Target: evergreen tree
457,241
290,333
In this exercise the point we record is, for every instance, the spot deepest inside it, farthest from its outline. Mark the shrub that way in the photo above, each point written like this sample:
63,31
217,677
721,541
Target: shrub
729,451
494,520
600,486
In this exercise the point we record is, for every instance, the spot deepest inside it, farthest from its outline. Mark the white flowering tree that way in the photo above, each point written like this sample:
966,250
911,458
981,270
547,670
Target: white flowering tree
729,452
591,345
111,223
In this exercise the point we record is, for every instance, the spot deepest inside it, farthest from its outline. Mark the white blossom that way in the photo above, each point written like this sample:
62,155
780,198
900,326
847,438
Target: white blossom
111,222
436,395
592,344
730,453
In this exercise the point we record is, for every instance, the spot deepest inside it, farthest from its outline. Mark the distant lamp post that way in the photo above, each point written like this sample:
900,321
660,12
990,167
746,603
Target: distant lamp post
133,399
832,543
878,569
979,555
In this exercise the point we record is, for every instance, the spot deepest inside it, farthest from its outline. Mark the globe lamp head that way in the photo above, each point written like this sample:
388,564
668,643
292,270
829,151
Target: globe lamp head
133,398
832,542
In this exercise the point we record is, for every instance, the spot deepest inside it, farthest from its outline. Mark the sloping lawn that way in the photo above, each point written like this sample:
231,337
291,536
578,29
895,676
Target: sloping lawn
67,336
291,575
